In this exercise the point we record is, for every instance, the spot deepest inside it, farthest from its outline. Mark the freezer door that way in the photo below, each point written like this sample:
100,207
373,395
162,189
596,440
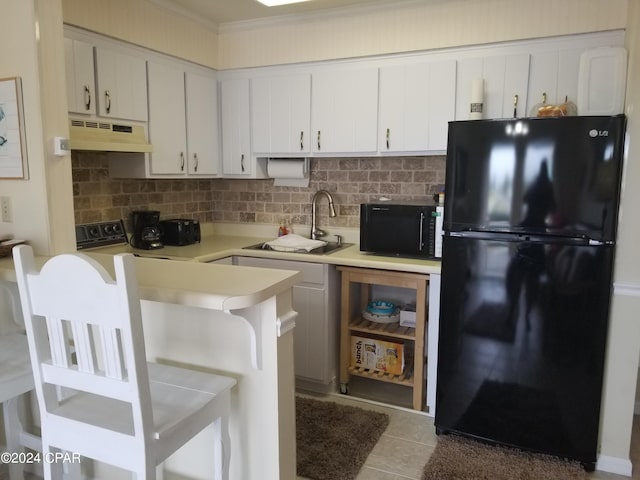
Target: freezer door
522,338
540,175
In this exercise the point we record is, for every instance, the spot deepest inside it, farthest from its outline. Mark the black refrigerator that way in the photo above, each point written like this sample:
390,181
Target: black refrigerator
531,209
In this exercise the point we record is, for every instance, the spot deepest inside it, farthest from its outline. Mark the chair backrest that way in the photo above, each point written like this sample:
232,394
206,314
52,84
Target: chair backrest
85,331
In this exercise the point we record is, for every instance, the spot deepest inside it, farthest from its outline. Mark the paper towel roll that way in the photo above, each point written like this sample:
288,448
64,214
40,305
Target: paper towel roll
477,99
289,172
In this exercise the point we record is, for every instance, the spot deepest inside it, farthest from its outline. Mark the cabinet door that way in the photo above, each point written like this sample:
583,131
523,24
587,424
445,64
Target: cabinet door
504,77
556,74
81,82
121,85
310,335
416,104
236,118
442,103
344,111
202,124
281,114
167,127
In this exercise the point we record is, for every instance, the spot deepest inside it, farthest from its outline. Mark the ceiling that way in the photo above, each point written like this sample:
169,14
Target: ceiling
224,11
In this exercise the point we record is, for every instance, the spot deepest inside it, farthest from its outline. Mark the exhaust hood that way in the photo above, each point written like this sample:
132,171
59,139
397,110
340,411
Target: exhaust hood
106,136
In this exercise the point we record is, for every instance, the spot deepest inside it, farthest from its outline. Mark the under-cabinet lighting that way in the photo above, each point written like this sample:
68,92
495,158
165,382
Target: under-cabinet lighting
275,3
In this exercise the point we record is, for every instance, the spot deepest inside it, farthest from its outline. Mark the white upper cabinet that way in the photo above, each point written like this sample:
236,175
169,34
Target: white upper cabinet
236,128
344,111
183,120
202,124
167,121
81,83
281,115
121,85
416,103
554,73
504,77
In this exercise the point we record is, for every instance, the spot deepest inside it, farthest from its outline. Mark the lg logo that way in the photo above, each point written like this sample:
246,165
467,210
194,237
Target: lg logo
598,133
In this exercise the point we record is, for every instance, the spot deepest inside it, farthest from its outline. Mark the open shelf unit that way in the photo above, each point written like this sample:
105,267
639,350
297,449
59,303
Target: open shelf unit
357,282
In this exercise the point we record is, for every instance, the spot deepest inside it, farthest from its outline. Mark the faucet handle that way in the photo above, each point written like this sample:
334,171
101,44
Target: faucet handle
317,233
338,239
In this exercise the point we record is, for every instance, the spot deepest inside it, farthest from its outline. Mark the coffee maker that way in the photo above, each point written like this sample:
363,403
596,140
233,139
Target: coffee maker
146,229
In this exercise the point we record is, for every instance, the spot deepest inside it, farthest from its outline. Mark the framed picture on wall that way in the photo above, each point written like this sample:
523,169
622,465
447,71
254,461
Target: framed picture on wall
13,148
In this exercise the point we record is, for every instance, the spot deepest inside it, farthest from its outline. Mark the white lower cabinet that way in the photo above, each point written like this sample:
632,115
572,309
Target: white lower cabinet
316,335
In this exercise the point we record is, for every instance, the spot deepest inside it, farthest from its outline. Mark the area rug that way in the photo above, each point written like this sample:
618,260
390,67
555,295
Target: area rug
457,458
332,440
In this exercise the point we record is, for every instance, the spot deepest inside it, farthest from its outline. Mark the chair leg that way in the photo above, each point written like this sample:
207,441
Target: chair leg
13,429
52,470
222,443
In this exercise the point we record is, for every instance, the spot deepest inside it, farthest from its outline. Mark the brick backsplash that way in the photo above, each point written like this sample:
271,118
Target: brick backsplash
351,181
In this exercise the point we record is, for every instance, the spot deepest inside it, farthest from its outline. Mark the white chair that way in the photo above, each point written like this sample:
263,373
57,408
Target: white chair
16,379
86,339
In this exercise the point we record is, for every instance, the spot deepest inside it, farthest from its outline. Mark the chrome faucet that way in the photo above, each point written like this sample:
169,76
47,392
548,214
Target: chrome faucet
315,231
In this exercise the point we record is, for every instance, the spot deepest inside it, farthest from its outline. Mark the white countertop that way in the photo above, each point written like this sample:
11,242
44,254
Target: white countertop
215,247
217,287
225,287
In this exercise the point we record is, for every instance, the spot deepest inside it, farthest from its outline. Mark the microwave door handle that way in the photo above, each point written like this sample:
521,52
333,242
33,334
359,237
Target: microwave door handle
420,244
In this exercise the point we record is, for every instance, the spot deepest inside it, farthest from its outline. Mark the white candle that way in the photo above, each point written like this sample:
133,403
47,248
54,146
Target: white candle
477,99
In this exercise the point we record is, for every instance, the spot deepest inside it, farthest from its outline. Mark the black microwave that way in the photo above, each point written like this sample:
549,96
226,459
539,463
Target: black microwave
401,229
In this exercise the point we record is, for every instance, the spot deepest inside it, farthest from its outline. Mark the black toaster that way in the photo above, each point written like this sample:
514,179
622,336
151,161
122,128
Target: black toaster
180,231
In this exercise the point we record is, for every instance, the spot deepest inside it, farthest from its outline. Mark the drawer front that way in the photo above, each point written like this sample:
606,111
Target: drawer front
311,272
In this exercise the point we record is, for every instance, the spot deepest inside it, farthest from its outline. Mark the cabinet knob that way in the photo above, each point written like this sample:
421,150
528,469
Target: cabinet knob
182,161
301,139
87,97
387,138
107,97
318,139
242,163
195,162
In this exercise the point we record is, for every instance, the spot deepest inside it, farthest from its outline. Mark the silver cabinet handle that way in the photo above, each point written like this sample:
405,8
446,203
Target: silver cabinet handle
195,162
388,135
242,163
301,140
182,161
318,139
87,97
107,96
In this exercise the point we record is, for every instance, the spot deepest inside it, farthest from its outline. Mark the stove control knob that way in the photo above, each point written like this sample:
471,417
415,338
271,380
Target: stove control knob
116,228
94,232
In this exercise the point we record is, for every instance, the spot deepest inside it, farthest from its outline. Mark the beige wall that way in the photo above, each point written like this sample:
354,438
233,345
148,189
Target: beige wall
410,26
148,25
624,331
44,199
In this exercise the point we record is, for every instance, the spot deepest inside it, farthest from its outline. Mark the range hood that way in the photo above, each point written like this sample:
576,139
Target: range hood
107,136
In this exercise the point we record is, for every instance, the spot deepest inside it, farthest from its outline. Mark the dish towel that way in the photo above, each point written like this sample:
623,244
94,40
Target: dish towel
293,242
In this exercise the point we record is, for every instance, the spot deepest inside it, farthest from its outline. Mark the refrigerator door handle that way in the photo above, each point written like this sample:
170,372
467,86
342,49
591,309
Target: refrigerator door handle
420,239
526,237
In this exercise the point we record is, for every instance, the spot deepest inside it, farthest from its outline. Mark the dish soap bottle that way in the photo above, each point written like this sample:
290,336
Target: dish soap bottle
282,230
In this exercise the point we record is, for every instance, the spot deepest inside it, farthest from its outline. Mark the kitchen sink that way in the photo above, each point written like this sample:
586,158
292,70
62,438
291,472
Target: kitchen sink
324,250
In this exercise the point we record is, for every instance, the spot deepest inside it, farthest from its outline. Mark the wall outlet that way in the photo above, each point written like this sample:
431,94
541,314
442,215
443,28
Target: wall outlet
5,209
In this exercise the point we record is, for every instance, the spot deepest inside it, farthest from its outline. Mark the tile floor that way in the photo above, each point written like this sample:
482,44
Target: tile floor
410,438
